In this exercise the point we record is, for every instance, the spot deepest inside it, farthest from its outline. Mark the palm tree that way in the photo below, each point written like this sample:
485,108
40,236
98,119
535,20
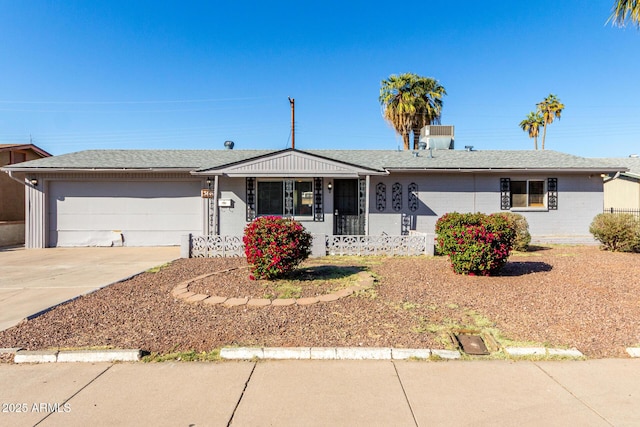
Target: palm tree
550,108
531,124
625,10
430,94
410,102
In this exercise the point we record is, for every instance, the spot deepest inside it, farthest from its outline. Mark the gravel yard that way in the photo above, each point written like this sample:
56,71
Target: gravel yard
561,296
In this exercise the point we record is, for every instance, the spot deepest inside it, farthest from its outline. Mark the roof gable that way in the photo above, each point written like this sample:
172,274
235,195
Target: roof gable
24,147
291,163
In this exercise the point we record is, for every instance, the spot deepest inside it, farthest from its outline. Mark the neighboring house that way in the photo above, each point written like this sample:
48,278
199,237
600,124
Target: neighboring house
12,202
148,197
622,189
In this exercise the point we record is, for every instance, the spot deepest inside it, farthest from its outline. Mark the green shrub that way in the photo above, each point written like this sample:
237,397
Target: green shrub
523,237
477,244
616,232
274,246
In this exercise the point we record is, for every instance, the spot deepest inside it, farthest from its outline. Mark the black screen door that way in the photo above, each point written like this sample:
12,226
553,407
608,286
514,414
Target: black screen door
347,219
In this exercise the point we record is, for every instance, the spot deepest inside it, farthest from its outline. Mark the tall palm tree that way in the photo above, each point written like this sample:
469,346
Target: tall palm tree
531,124
409,102
430,94
550,108
625,10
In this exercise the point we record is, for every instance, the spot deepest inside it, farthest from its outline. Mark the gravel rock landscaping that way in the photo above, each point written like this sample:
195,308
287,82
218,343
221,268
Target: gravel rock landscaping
561,296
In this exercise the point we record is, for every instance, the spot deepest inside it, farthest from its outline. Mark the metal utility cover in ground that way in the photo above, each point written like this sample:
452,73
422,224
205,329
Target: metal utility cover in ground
472,344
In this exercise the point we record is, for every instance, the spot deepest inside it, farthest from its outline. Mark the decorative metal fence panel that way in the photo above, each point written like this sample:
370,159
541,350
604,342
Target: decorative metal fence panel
377,245
216,246
635,212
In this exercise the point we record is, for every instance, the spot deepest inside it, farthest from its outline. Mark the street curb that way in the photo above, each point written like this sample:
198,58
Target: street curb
333,353
288,353
53,356
543,351
633,351
377,353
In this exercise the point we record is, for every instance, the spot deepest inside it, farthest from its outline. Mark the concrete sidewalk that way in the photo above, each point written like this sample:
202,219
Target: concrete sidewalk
32,280
342,393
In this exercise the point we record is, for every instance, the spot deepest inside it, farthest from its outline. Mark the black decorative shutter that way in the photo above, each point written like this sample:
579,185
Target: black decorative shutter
396,197
251,199
505,194
552,193
288,198
381,197
362,204
413,197
318,208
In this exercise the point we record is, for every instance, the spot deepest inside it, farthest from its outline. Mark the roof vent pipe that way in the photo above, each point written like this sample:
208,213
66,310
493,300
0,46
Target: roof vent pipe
229,145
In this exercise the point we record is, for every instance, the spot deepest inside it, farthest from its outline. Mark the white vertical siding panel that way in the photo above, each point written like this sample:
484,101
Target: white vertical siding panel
35,204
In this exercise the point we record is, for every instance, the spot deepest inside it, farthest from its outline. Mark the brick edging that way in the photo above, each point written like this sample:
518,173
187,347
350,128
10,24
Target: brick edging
181,291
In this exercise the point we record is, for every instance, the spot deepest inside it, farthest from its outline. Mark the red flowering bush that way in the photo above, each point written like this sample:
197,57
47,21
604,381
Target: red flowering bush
274,246
477,244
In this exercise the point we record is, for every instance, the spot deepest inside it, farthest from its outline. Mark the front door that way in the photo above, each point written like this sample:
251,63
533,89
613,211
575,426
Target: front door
348,219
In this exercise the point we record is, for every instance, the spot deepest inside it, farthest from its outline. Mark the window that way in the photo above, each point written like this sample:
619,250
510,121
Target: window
527,194
285,198
531,193
270,198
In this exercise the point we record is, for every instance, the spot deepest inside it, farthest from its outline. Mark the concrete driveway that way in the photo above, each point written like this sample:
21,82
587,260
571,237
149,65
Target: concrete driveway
32,280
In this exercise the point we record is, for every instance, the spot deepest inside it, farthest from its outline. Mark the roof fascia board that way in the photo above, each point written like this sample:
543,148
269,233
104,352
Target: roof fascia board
47,170
505,170
285,174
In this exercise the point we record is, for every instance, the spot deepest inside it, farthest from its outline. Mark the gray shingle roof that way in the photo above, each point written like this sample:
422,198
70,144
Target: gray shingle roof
462,159
143,159
373,159
631,163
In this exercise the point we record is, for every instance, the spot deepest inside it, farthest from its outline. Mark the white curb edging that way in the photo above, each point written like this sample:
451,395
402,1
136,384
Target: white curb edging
25,356
292,353
334,353
99,356
543,351
633,351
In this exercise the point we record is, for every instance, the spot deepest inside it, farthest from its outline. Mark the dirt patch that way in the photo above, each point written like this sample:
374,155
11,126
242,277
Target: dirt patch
313,278
562,296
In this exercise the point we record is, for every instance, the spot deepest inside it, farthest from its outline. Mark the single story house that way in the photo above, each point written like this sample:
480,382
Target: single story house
622,189
154,197
12,202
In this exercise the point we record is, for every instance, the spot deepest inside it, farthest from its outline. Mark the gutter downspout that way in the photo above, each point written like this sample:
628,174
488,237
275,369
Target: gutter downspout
21,181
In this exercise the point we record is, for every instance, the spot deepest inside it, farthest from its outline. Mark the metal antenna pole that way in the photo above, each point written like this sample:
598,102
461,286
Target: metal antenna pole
293,122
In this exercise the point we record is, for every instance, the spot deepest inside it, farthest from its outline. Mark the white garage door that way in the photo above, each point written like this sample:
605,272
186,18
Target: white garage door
106,213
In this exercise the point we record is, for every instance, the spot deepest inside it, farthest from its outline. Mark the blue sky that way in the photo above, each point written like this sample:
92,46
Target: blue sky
79,75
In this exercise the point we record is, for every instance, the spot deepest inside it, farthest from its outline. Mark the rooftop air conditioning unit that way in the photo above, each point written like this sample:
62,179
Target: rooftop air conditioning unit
437,137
